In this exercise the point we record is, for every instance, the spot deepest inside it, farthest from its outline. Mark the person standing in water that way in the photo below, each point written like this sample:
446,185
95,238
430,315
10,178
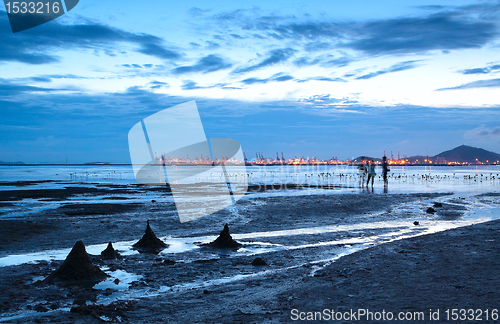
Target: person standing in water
371,172
362,173
385,169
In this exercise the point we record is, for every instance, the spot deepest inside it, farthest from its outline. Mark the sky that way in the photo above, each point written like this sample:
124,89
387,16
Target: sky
325,79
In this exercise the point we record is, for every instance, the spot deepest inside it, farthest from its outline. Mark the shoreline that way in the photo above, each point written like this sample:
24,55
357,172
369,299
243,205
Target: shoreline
454,269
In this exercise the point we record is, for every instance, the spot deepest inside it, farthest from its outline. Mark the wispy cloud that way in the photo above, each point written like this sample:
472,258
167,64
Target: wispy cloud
414,35
401,66
320,78
191,85
484,70
274,57
279,77
493,83
209,63
12,89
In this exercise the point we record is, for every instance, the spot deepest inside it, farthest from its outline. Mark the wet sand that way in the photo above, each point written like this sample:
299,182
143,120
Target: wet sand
453,269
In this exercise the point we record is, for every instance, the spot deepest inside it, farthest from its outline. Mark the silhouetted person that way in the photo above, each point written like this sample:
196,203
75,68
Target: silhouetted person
371,172
385,169
362,174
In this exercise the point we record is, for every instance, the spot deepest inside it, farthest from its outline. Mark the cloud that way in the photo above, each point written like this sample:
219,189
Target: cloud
484,70
438,28
492,83
338,62
306,61
414,35
8,88
323,60
401,66
191,85
483,132
212,45
279,77
41,79
209,63
327,101
320,78
317,46
151,45
38,45
236,36
158,85
274,57
307,30
476,71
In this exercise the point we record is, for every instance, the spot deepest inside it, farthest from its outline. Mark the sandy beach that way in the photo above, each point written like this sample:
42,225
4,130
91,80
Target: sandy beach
323,251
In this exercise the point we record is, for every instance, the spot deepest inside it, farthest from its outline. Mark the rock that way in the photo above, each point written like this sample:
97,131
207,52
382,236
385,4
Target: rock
438,205
110,253
416,223
55,306
430,210
77,266
259,262
153,201
149,242
41,309
224,240
80,301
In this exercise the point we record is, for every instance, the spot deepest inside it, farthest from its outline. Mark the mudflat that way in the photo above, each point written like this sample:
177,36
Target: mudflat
307,244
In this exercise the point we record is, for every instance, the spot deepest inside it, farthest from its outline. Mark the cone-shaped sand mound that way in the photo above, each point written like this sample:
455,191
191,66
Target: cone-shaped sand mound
77,266
149,242
224,240
110,253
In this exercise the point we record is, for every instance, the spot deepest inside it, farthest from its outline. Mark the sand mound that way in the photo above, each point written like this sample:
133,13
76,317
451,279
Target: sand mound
224,240
110,253
77,266
149,241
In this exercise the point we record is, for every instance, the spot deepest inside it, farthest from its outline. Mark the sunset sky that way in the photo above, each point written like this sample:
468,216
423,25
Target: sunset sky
306,78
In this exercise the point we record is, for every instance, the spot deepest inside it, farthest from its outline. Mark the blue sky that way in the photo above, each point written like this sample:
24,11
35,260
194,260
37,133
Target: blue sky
307,78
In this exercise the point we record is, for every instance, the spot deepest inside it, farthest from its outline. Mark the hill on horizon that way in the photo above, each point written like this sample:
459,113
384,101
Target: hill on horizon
461,154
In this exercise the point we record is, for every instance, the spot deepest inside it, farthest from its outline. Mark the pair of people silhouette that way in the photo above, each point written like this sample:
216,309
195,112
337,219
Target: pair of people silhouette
369,170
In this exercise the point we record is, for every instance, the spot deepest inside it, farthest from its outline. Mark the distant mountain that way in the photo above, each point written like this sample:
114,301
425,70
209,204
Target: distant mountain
461,154
366,158
18,162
